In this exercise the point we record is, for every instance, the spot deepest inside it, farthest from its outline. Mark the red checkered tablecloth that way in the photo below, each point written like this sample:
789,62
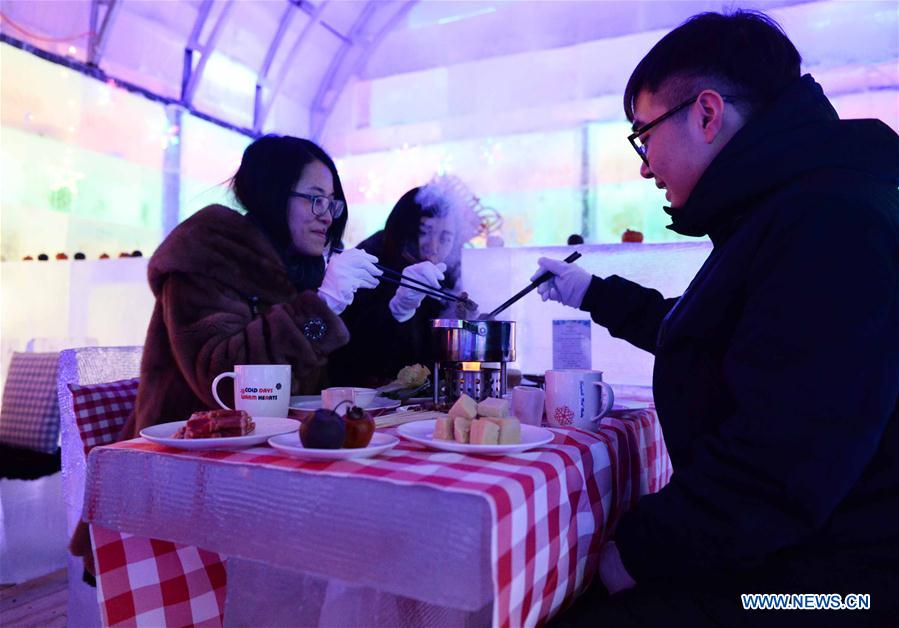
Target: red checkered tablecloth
550,515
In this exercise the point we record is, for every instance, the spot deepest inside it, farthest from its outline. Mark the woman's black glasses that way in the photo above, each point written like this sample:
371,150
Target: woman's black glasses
322,204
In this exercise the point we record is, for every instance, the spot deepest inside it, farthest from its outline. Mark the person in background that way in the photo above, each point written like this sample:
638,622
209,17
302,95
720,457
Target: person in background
390,325
249,288
776,374
575,238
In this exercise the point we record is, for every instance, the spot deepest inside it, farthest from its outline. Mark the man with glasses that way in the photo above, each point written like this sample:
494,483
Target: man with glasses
776,374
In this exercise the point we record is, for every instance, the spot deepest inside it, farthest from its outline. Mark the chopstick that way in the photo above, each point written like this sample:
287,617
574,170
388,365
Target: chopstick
433,293
539,280
392,276
399,418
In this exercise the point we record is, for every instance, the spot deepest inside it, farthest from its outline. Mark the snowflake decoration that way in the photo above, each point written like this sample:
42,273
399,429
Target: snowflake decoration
563,415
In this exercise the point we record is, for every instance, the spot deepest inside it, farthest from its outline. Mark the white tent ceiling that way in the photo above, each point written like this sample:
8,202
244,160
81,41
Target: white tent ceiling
234,59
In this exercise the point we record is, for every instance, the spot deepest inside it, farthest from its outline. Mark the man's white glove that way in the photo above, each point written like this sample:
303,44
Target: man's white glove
406,300
569,284
346,273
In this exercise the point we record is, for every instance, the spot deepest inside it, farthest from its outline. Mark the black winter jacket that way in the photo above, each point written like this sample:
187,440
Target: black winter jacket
379,345
776,375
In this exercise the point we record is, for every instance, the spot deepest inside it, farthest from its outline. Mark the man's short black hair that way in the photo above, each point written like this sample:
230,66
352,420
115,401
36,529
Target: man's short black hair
744,53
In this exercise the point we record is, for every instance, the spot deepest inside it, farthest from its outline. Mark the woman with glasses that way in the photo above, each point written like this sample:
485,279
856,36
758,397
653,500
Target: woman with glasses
248,287
390,325
251,287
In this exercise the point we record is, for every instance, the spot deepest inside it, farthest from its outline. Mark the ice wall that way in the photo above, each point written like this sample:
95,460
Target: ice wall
109,300
523,102
493,275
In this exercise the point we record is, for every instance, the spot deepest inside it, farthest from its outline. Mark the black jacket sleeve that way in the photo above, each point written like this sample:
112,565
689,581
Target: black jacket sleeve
380,345
627,309
813,368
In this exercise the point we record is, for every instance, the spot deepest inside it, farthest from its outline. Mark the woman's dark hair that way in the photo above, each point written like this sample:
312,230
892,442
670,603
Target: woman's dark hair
745,53
401,235
269,170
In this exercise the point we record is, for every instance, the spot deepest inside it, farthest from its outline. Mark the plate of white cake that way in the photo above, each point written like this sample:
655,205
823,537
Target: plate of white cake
476,428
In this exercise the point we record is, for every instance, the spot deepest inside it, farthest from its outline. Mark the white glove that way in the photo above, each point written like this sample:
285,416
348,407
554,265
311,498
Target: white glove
406,300
346,273
568,286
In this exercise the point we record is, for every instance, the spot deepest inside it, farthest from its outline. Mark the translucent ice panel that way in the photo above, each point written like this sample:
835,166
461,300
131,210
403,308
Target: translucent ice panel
210,155
75,200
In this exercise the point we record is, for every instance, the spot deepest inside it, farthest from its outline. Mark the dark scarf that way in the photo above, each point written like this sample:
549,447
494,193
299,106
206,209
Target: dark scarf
304,271
798,133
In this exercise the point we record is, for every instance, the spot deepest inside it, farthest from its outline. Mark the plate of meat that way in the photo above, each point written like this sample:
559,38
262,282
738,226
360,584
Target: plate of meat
219,429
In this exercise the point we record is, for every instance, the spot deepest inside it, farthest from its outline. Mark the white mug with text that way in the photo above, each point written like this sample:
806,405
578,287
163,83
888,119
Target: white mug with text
577,398
259,389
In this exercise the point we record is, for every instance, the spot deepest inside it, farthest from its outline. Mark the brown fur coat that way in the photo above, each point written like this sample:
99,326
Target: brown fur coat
203,276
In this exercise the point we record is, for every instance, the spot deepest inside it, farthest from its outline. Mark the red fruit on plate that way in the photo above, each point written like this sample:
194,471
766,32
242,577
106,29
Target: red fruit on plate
360,427
631,236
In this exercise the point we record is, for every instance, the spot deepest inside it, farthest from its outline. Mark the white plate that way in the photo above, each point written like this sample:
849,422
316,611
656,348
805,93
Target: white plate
422,432
290,444
266,427
314,403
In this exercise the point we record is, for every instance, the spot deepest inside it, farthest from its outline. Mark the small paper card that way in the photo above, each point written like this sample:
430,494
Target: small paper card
571,344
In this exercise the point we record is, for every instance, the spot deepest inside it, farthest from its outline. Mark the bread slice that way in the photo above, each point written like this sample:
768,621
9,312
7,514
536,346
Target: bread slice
509,430
491,406
462,429
443,428
484,432
465,407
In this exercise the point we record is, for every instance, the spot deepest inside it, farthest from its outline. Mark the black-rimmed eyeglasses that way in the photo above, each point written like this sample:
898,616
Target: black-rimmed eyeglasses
640,146
322,204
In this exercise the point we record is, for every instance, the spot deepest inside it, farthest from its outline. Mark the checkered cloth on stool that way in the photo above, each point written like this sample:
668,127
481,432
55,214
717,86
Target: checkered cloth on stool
150,582
102,409
30,415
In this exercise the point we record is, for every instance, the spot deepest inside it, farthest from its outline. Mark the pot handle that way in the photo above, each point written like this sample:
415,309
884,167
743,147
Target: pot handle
478,329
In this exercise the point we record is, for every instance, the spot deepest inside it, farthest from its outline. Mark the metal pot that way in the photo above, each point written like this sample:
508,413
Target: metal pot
457,340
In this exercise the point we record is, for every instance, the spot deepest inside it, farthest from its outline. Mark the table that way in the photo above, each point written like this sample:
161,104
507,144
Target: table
413,536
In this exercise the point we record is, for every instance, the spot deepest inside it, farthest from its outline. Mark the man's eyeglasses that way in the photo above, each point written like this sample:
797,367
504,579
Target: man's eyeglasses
640,146
322,204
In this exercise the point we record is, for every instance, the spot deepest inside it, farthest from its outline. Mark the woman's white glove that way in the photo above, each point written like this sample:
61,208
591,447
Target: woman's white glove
347,272
569,284
406,300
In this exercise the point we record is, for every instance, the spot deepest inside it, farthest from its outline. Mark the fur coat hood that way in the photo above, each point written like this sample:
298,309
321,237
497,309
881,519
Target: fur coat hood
223,297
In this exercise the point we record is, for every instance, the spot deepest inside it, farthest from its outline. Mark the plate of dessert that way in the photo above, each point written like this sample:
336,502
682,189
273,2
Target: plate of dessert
476,428
219,429
328,435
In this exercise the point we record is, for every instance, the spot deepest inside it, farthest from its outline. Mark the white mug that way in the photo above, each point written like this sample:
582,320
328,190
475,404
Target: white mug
259,389
527,404
577,398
